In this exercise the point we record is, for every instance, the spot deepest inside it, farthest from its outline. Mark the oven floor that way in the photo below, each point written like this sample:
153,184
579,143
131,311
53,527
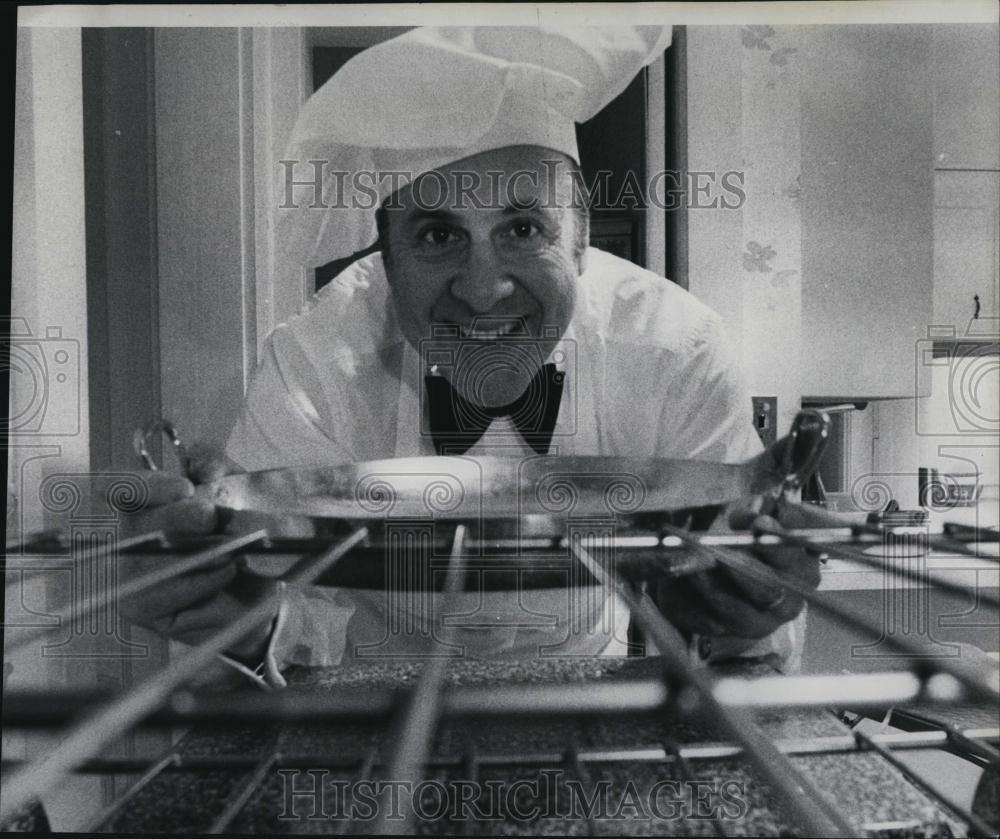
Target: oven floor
556,796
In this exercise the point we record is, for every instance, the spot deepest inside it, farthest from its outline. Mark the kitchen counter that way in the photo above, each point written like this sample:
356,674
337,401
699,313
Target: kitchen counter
947,623
839,574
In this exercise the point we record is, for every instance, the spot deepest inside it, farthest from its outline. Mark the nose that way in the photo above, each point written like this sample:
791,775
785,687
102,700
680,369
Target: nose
482,281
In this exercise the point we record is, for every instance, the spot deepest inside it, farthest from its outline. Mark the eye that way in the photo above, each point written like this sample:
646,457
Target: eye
438,236
524,229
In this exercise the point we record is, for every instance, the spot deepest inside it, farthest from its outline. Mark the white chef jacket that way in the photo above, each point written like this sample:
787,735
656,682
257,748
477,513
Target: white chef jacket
649,373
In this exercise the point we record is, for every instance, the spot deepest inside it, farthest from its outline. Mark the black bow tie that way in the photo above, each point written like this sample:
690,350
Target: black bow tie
457,424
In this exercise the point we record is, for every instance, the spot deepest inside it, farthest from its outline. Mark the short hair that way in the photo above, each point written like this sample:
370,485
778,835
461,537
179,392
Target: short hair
580,208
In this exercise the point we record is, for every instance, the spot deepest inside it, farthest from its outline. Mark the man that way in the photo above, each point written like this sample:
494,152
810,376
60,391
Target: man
484,325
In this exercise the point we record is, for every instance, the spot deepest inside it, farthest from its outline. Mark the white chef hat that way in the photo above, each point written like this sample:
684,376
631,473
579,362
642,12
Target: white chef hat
435,95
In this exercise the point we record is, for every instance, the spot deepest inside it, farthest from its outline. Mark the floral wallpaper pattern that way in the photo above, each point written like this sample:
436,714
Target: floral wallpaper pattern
756,257
794,190
747,263
759,37
772,216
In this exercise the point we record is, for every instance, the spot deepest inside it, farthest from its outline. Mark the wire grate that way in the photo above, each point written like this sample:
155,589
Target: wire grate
621,725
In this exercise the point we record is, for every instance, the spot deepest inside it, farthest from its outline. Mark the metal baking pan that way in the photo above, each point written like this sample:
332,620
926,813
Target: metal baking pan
477,488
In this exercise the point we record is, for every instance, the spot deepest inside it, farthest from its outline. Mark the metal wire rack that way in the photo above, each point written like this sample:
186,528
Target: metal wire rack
413,719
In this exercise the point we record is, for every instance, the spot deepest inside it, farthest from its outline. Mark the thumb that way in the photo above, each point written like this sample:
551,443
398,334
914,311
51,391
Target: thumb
206,463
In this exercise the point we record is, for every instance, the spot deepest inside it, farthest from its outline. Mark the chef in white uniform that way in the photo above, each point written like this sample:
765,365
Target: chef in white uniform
486,326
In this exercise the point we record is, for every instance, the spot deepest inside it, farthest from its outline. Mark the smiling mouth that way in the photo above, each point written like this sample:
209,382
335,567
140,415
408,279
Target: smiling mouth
492,329
479,333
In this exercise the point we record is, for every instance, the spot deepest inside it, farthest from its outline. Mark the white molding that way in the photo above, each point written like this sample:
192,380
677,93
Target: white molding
281,71
656,161
205,215
248,191
48,264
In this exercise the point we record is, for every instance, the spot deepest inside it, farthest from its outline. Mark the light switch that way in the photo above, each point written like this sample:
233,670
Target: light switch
765,418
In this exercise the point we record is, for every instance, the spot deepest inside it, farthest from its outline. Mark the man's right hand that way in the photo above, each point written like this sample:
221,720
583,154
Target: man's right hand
192,606
172,507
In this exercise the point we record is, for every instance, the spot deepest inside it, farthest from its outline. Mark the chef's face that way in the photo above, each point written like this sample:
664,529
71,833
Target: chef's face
481,258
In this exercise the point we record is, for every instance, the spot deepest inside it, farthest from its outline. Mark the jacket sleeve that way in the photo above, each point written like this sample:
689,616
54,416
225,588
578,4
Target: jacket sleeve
783,647
285,420
711,419
709,413
310,628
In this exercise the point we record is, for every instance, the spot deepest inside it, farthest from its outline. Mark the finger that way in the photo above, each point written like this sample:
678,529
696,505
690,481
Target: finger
792,517
165,488
193,516
742,618
208,616
741,515
786,559
198,621
759,592
135,565
245,521
684,607
178,593
205,464
212,613
739,619
166,599
790,562
760,572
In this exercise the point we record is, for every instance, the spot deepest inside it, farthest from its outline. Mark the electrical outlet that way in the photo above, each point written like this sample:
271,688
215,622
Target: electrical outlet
765,418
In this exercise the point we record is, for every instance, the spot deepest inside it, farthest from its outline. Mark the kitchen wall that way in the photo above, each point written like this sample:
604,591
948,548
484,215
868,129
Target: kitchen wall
48,383
49,456
744,116
952,430
825,271
793,274
226,99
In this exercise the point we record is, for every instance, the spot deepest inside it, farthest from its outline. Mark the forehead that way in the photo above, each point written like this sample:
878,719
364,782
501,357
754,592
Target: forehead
496,179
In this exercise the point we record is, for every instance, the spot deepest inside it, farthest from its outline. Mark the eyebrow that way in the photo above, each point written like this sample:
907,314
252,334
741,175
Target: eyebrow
520,206
515,207
431,215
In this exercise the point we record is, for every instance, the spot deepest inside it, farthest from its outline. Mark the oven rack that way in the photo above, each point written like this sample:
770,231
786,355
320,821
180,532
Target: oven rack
983,740
418,712
858,692
680,756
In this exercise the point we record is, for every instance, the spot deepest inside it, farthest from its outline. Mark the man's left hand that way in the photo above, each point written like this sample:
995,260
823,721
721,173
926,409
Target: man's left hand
725,601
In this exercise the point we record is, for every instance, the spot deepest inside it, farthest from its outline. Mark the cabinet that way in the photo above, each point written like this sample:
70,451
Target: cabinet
967,177
900,224
966,96
867,207
957,425
967,250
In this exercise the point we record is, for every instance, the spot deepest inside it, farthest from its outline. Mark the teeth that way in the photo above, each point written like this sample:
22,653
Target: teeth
488,334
